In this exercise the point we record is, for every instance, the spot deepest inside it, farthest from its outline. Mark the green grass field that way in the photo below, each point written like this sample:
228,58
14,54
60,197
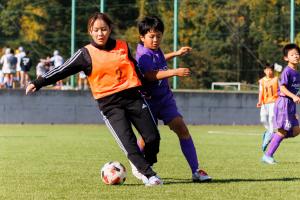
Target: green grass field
63,161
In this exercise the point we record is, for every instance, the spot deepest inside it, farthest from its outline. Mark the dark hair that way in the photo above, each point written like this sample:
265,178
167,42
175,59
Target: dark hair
101,16
268,65
289,47
150,23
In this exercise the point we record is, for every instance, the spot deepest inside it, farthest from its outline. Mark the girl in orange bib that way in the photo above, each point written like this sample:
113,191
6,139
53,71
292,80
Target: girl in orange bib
114,82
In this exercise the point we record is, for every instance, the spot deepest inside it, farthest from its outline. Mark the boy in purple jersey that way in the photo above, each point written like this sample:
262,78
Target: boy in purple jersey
285,120
152,63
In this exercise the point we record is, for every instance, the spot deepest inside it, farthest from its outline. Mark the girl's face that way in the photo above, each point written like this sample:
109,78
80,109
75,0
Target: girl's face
152,39
100,32
292,57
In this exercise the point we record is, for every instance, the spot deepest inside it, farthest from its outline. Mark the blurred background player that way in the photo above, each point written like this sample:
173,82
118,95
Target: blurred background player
152,63
285,120
1,79
25,64
268,87
20,53
42,67
82,83
9,62
57,61
115,85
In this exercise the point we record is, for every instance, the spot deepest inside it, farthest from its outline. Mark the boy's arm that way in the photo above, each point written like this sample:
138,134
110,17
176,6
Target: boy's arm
285,91
180,52
260,96
158,75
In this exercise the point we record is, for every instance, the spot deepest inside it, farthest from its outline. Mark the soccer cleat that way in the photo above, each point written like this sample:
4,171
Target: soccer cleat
201,176
135,172
266,140
268,160
152,181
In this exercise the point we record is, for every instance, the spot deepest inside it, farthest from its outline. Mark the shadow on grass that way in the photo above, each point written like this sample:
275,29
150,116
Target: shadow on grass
21,136
174,181
292,162
170,181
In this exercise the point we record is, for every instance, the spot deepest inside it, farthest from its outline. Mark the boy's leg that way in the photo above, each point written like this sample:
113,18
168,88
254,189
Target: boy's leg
270,130
188,149
265,119
275,142
273,146
186,142
293,133
296,131
169,114
120,127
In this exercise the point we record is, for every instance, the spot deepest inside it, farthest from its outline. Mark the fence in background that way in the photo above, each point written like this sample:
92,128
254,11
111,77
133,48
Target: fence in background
60,107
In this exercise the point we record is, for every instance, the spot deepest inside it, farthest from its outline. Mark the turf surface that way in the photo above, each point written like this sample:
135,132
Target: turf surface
63,162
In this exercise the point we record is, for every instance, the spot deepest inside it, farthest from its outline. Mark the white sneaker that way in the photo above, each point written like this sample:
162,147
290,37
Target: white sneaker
136,173
201,176
152,181
268,160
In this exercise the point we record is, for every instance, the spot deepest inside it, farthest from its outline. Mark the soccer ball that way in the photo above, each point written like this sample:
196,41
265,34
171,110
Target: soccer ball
113,173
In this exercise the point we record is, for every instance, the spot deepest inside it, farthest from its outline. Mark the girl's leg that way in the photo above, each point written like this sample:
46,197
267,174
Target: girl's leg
120,127
142,119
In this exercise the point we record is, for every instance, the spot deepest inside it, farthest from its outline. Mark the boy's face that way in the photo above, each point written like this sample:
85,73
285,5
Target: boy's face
269,73
292,57
152,39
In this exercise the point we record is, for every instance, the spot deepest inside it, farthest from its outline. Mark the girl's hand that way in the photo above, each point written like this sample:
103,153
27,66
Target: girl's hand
30,89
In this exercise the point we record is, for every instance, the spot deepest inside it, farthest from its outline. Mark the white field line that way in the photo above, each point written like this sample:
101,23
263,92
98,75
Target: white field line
235,132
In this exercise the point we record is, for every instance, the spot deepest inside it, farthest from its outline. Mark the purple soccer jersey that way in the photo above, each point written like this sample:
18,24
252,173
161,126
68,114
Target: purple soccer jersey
162,103
291,79
285,108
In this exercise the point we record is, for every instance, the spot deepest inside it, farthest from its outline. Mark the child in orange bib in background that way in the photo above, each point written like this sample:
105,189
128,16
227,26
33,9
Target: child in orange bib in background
268,94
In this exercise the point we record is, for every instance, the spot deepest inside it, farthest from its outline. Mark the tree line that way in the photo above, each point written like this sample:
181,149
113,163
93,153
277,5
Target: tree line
231,39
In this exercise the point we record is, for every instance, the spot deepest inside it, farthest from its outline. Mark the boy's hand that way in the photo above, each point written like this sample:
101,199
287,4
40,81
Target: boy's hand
30,88
296,99
183,50
182,72
258,105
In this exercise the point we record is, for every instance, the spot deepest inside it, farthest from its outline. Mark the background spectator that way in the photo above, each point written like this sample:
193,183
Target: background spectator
25,64
9,62
19,55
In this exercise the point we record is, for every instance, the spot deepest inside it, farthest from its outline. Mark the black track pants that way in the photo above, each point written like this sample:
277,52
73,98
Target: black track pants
122,110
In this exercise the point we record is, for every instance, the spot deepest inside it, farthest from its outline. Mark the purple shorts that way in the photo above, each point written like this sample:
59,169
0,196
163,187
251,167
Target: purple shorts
164,109
285,114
